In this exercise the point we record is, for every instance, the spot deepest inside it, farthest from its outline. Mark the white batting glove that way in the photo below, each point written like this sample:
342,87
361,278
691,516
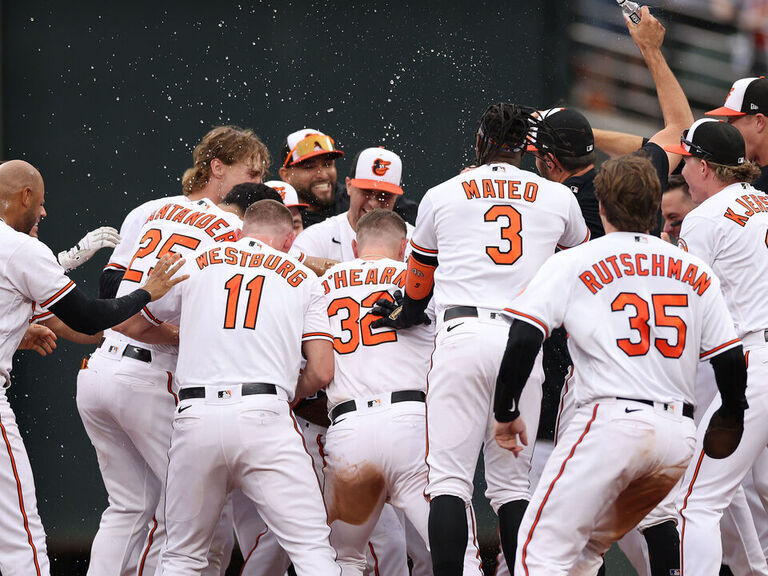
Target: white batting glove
95,240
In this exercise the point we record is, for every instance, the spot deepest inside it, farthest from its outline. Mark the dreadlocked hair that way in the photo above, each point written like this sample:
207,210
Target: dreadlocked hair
504,127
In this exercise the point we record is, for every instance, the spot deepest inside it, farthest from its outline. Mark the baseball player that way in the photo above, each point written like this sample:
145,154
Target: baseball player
658,311
132,443
29,273
233,427
728,231
746,107
510,221
375,182
676,202
310,167
376,399
291,201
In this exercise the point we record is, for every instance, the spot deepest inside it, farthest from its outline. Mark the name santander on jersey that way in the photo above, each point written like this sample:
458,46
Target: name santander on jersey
178,226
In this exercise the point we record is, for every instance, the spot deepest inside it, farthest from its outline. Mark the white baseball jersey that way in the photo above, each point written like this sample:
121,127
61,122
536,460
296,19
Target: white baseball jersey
729,231
179,226
130,232
248,297
639,312
29,273
332,238
351,289
491,228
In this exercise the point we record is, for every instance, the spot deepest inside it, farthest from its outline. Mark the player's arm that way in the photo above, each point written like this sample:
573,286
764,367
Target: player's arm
616,143
318,372
319,265
90,315
731,377
520,354
61,330
648,36
138,328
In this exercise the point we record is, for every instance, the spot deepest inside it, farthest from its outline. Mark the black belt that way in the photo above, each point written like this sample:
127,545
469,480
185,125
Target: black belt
246,390
399,396
687,408
460,312
130,351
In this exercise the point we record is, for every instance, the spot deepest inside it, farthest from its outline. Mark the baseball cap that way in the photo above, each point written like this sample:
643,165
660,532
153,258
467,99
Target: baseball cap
287,193
712,140
747,96
378,169
570,135
308,143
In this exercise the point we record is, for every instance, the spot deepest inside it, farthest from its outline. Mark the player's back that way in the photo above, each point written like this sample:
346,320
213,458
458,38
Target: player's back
640,314
371,361
491,228
177,226
730,232
244,311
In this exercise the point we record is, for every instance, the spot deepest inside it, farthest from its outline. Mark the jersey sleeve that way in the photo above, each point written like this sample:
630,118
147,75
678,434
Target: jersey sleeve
168,308
576,231
696,237
316,324
717,330
40,314
129,236
424,238
34,272
543,304
660,161
296,253
313,241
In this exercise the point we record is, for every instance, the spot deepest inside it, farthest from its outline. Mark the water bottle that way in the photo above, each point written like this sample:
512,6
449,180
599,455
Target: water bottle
631,9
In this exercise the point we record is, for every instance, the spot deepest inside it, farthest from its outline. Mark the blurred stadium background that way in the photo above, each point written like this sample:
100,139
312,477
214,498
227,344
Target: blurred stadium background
108,99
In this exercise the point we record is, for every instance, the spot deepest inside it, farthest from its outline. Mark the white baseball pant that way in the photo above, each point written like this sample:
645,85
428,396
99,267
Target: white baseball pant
251,443
22,538
711,484
460,418
607,472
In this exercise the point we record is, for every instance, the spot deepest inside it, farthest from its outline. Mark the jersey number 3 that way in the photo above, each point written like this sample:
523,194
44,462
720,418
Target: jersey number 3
510,233
640,322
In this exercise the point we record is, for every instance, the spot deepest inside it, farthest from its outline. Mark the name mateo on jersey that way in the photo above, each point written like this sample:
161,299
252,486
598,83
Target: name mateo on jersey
613,267
753,203
234,256
203,220
344,278
502,189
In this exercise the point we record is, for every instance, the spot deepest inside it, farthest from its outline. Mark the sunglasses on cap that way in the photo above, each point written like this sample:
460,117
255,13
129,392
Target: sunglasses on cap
311,144
694,149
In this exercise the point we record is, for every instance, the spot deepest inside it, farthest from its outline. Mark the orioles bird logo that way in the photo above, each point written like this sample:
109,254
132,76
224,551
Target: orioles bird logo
380,166
280,190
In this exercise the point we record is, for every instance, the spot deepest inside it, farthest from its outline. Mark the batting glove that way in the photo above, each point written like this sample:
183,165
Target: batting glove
95,240
391,313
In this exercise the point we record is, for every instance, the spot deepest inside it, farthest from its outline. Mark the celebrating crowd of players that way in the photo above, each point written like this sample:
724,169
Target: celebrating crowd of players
312,363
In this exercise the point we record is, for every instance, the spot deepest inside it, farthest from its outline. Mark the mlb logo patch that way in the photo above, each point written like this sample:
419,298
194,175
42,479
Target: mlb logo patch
225,394
374,403
112,349
642,239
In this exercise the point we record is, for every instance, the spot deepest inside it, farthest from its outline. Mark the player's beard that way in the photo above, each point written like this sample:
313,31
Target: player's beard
314,202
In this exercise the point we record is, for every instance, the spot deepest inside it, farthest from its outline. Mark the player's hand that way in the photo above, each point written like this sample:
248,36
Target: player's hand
39,338
507,435
391,312
723,433
649,34
161,279
95,240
